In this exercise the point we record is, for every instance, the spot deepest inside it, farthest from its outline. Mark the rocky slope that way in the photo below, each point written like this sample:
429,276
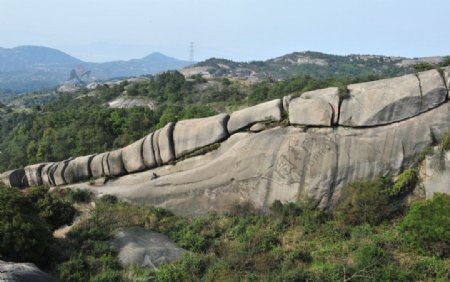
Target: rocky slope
309,145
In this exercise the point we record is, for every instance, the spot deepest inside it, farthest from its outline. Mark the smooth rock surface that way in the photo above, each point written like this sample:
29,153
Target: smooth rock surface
132,156
437,174
269,111
192,134
447,79
23,272
257,127
282,163
310,112
58,173
148,152
165,143
141,247
45,174
96,165
434,91
78,169
382,102
115,164
106,170
33,173
329,95
14,178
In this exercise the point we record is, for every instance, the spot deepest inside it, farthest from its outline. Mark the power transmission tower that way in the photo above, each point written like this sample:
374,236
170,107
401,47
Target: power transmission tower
191,52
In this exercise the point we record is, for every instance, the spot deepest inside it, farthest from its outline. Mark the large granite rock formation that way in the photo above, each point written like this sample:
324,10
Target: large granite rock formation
148,152
192,134
390,100
141,247
114,163
132,156
436,173
310,112
14,178
22,272
78,169
33,173
269,111
329,95
96,165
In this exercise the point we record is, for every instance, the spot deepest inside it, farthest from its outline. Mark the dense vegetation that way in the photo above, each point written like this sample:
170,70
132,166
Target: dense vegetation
81,124
291,242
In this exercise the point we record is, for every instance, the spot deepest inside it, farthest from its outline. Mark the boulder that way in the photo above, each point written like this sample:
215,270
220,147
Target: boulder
23,272
14,178
33,173
45,174
269,111
329,95
283,163
165,143
143,248
310,112
96,165
447,79
58,173
78,169
434,91
192,134
286,101
258,127
106,170
382,102
156,147
51,173
115,164
436,173
148,152
132,156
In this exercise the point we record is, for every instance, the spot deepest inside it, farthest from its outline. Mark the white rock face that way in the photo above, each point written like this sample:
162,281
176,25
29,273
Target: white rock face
391,100
45,174
192,134
78,169
96,165
269,111
165,143
434,91
310,112
115,164
141,247
148,152
132,156
437,174
58,173
33,173
329,95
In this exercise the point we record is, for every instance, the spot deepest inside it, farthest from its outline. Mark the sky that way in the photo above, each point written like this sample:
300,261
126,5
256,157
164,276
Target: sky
242,30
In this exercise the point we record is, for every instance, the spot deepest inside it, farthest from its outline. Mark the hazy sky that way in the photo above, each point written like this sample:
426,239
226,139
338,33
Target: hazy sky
102,30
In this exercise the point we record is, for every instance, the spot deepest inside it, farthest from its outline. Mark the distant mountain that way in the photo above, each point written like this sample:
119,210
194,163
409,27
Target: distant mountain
309,63
29,68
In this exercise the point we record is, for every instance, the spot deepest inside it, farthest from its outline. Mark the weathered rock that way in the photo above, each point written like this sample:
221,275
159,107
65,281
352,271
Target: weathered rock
433,88
106,171
329,95
165,143
96,165
269,111
193,134
45,174
78,169
382,101
51,173
286,101
257,127
447,79
148,152
58,173
132,156
23,272
14,178
115,164
156,147
310,112
33,173
141,247
436,178
282,164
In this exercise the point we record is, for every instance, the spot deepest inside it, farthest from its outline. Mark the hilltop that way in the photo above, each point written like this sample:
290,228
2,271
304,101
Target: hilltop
31,68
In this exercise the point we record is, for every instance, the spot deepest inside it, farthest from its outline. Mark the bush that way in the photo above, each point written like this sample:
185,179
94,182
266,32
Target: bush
405,182
79,196
24,236
426,226
365,202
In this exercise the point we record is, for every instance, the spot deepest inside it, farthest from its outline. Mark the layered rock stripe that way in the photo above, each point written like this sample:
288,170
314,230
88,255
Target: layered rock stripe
371,133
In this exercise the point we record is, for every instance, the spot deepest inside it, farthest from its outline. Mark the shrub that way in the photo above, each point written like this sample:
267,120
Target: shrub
405,182
426,226
365,202
424,66
79,196
190,267
74,270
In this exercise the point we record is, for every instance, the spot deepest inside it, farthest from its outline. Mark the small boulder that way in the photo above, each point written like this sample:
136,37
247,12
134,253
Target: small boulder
192,134
138,246
310,112
258,127
132,156
329,95
269,111
23,272
78,169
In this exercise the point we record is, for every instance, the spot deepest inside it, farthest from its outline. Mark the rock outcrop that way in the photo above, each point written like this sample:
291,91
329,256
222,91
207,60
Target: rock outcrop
436,170
377,131
33,174
23,272
137,246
